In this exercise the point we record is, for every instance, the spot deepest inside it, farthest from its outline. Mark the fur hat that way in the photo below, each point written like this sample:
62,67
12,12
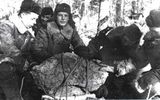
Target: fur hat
30,6
153,20
63,8
47,11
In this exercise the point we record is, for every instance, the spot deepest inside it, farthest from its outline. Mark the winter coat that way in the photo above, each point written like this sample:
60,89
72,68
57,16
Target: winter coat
152,50
152,47
13,44
51,40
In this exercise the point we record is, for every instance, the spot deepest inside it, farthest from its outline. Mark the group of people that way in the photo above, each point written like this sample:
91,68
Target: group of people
54,33
123,43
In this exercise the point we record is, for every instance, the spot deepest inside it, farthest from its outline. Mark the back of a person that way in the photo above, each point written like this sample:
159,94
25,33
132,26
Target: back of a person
152,47
149,81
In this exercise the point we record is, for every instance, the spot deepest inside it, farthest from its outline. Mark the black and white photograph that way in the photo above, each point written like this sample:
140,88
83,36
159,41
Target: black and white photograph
79,49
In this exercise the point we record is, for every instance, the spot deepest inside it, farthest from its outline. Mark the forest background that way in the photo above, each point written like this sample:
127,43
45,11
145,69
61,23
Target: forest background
91,16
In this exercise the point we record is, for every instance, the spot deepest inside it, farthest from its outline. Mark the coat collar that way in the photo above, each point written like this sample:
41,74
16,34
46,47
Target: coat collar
66,31
16,20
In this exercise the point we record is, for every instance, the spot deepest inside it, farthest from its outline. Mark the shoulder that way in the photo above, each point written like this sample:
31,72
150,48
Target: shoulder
7,30
6,25
53,23
150,35
69,29
52,26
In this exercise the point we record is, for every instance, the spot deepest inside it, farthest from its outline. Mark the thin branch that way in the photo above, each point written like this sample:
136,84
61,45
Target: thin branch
99,13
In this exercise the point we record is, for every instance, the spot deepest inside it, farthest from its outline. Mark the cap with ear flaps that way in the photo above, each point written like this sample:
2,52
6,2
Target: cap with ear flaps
63,8
46,11
153,19
30,6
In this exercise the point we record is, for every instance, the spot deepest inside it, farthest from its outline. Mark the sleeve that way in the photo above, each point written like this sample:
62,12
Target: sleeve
79,47
8,51
94,47
141,58
40,46
76,40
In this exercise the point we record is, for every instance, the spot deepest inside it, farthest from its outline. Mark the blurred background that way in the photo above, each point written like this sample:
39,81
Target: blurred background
91,16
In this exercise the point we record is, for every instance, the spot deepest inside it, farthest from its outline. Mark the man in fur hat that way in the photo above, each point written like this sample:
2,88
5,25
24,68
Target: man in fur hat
14,45
45,17
61,33
34,93
150,79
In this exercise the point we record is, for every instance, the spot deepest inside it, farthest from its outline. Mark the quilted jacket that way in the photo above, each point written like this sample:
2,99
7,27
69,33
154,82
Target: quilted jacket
14,40
51,40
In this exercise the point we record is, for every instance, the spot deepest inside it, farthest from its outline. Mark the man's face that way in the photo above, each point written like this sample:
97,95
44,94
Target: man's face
62,18
29,19
46,17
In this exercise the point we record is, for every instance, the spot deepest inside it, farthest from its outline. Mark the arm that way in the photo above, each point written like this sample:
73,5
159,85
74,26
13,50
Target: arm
79,47
40,47
9,52
76,40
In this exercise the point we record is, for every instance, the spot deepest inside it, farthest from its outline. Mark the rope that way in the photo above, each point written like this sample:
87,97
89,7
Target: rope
87,69
66,90
65,80
149,92
22,82
76,65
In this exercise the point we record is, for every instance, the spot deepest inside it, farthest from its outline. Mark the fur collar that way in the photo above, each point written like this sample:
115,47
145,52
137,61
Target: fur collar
67,31
16,20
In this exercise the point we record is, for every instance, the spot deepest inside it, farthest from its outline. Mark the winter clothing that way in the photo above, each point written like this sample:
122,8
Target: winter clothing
13,47
41,22
83,51
34,93
47,11
153,19
63,8
152,50
151,77
30,6
52,41
152,47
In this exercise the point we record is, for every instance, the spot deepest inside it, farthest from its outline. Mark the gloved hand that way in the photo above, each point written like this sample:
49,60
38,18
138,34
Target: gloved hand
32,64
103,32
82,51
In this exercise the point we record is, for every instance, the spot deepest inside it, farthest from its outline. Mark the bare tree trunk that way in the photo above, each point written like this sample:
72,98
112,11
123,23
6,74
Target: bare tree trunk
111,13
98,26
118,12
123,12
